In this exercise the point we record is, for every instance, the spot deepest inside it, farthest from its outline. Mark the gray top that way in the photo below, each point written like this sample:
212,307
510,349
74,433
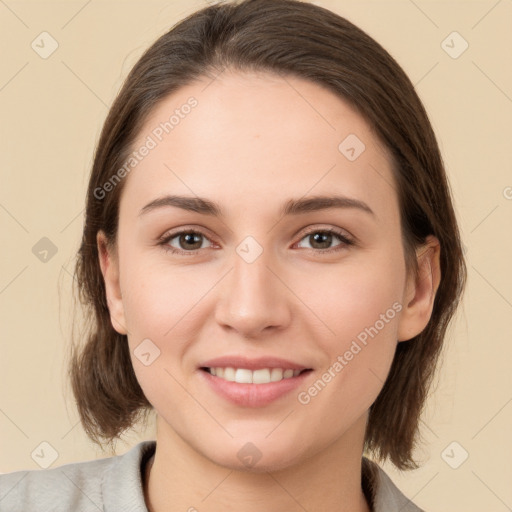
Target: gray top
114,484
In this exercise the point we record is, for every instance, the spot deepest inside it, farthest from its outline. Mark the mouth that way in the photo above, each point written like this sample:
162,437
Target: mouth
258,376
260,387
252,381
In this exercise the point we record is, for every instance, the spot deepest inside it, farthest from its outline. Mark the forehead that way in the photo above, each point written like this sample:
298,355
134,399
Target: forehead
259,139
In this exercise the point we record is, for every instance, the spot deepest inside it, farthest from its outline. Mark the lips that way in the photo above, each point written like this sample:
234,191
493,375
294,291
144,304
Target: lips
253,364
252,382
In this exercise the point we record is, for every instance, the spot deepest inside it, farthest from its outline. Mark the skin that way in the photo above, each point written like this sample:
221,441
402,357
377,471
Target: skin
253,142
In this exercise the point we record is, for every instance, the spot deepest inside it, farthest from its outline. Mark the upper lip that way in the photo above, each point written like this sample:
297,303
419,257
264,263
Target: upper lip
257,363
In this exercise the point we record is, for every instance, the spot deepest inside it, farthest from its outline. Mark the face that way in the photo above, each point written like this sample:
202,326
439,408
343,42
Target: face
273,279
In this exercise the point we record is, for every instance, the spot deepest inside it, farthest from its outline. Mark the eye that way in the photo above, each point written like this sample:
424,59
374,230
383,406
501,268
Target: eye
188,242
183,242
322,239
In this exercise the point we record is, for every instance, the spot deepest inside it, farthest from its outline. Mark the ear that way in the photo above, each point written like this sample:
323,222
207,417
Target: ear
421,290
110,269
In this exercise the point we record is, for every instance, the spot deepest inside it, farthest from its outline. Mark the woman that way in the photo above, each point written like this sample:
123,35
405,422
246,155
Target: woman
271,260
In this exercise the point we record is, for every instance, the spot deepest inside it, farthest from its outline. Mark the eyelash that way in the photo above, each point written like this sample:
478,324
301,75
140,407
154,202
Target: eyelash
165,239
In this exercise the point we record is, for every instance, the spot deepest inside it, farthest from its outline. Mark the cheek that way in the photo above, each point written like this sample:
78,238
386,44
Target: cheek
359,308
352,298
161,306
160,318
158,298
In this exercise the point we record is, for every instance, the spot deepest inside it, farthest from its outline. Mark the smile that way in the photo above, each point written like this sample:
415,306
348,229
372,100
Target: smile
246,376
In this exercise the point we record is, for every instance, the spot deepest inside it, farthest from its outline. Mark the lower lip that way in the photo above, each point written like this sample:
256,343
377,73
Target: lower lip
253,395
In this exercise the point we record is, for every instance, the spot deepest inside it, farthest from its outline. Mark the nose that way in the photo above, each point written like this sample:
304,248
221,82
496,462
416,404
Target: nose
253,298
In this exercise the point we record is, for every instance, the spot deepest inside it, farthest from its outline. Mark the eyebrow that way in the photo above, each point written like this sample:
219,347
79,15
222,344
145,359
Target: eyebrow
291,207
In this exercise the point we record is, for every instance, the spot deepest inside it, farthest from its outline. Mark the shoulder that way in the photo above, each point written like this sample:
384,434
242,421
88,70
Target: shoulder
112,483
385,494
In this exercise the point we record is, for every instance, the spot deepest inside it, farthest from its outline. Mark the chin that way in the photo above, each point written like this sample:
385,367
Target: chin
255,458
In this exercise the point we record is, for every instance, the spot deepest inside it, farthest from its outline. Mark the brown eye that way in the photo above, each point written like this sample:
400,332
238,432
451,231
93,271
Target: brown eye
184,241
320,240
190,241
323,239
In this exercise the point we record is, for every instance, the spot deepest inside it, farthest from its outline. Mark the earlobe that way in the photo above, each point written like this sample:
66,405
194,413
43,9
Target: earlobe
110,270
421,291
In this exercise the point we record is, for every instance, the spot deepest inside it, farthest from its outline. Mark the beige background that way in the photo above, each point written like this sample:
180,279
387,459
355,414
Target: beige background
51,115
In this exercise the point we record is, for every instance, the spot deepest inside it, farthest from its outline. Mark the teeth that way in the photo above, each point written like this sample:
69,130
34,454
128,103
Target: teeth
262,376
276,374
243,376
229,374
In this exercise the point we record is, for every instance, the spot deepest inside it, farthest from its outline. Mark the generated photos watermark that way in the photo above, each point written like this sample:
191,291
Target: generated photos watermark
157,135
357,345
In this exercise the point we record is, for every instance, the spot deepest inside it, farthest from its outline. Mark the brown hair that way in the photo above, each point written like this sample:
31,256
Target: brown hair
285,37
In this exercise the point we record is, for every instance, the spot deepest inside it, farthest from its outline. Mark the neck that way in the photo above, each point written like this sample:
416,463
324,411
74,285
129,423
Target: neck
179,478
